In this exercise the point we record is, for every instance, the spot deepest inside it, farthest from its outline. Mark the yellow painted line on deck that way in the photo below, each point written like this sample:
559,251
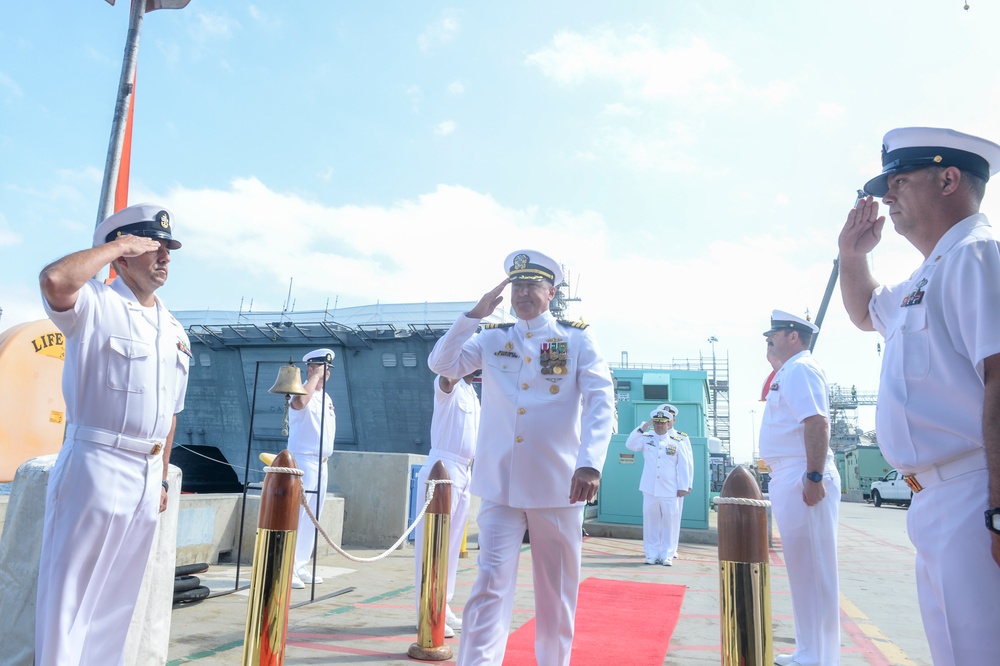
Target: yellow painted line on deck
889,649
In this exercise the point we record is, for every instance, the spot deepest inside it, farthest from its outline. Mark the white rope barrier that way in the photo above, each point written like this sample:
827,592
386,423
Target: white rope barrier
741,501
431,483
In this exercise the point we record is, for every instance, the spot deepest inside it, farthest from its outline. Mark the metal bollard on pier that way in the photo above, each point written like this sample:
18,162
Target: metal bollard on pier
273,560
430,645
744,573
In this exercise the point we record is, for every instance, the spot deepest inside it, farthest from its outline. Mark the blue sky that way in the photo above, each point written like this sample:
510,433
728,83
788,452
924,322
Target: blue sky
690,163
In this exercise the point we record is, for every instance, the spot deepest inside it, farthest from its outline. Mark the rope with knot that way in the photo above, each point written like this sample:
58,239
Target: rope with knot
741,501
431,484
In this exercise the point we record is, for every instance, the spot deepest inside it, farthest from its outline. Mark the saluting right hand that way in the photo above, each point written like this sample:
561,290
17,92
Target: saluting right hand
863,229
489,302
133,246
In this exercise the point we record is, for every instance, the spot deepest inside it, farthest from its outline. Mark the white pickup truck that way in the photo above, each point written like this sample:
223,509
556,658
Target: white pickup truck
891,489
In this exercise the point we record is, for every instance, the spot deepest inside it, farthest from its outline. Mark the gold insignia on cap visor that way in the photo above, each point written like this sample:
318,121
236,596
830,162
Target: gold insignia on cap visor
163,219
520,261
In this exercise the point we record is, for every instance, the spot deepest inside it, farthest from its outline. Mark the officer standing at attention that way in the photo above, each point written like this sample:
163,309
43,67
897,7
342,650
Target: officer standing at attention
546,425
664,479
687,460
310,415
124,382
804,488
938,415
454,428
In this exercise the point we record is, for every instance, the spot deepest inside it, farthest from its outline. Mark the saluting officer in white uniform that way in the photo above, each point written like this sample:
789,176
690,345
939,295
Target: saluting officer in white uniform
687,460
124,382
310,415
454,428
664,479
938,416
546,424
804,488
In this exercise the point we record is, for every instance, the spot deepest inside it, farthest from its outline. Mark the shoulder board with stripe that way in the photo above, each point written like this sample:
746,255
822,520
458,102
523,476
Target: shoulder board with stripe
503,326
676,438
574,324
682,434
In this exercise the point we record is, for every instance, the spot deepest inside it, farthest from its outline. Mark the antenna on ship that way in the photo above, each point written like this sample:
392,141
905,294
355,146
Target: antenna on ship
562,299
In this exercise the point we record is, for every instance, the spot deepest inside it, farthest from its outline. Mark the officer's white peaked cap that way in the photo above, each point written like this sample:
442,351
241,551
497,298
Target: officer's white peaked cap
785,321
909,148
532,265
149,220
319,356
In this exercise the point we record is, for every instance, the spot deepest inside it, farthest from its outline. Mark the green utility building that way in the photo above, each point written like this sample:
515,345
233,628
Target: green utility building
638,392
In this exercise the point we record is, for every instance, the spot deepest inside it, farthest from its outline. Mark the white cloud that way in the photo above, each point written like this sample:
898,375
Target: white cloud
415,95
10,85
830,111
669,150
456,88
617,109
445,128
7,236
442,31
635,61
209,27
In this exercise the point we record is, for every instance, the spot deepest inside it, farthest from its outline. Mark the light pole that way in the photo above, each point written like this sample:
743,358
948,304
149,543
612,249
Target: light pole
715,391
753,433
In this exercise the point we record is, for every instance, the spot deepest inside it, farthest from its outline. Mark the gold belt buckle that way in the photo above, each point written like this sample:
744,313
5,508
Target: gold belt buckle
156,449
912,482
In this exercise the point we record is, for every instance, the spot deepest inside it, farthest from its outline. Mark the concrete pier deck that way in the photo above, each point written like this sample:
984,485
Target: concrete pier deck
373,623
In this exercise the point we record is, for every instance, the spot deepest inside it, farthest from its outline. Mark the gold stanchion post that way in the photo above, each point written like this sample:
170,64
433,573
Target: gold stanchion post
273,560
744,574
430,645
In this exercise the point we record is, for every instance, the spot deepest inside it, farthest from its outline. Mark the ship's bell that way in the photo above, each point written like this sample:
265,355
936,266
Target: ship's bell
289,381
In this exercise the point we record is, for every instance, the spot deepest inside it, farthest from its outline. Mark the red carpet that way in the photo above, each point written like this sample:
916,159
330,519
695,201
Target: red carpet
612,614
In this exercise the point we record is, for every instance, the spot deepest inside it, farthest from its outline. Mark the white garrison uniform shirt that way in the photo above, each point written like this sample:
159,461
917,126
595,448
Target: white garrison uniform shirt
798,391
304,443
939,327
124,379
304,427
808,533
121,374
665,469
537,428
454,429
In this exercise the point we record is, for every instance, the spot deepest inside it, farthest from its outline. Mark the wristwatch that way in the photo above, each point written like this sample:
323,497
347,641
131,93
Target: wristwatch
993,520
815,477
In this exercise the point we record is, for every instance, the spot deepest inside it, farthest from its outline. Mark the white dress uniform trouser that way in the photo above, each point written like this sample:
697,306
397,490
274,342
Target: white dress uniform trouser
305,540
556,542
809,541
958,583
675,529
458,472
659,515
100,533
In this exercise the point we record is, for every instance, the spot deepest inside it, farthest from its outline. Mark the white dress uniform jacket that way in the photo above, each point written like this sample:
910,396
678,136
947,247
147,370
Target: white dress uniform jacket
808,533
665,471
125,378
664,468
547,411
537,429
304,427
939,327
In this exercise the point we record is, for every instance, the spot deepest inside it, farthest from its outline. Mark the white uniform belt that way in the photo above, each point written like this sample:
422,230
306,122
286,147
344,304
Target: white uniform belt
147,447
967,462
448,455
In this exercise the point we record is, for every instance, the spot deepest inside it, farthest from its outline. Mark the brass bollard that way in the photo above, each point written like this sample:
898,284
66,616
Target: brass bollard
744,575
273,560
430,645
